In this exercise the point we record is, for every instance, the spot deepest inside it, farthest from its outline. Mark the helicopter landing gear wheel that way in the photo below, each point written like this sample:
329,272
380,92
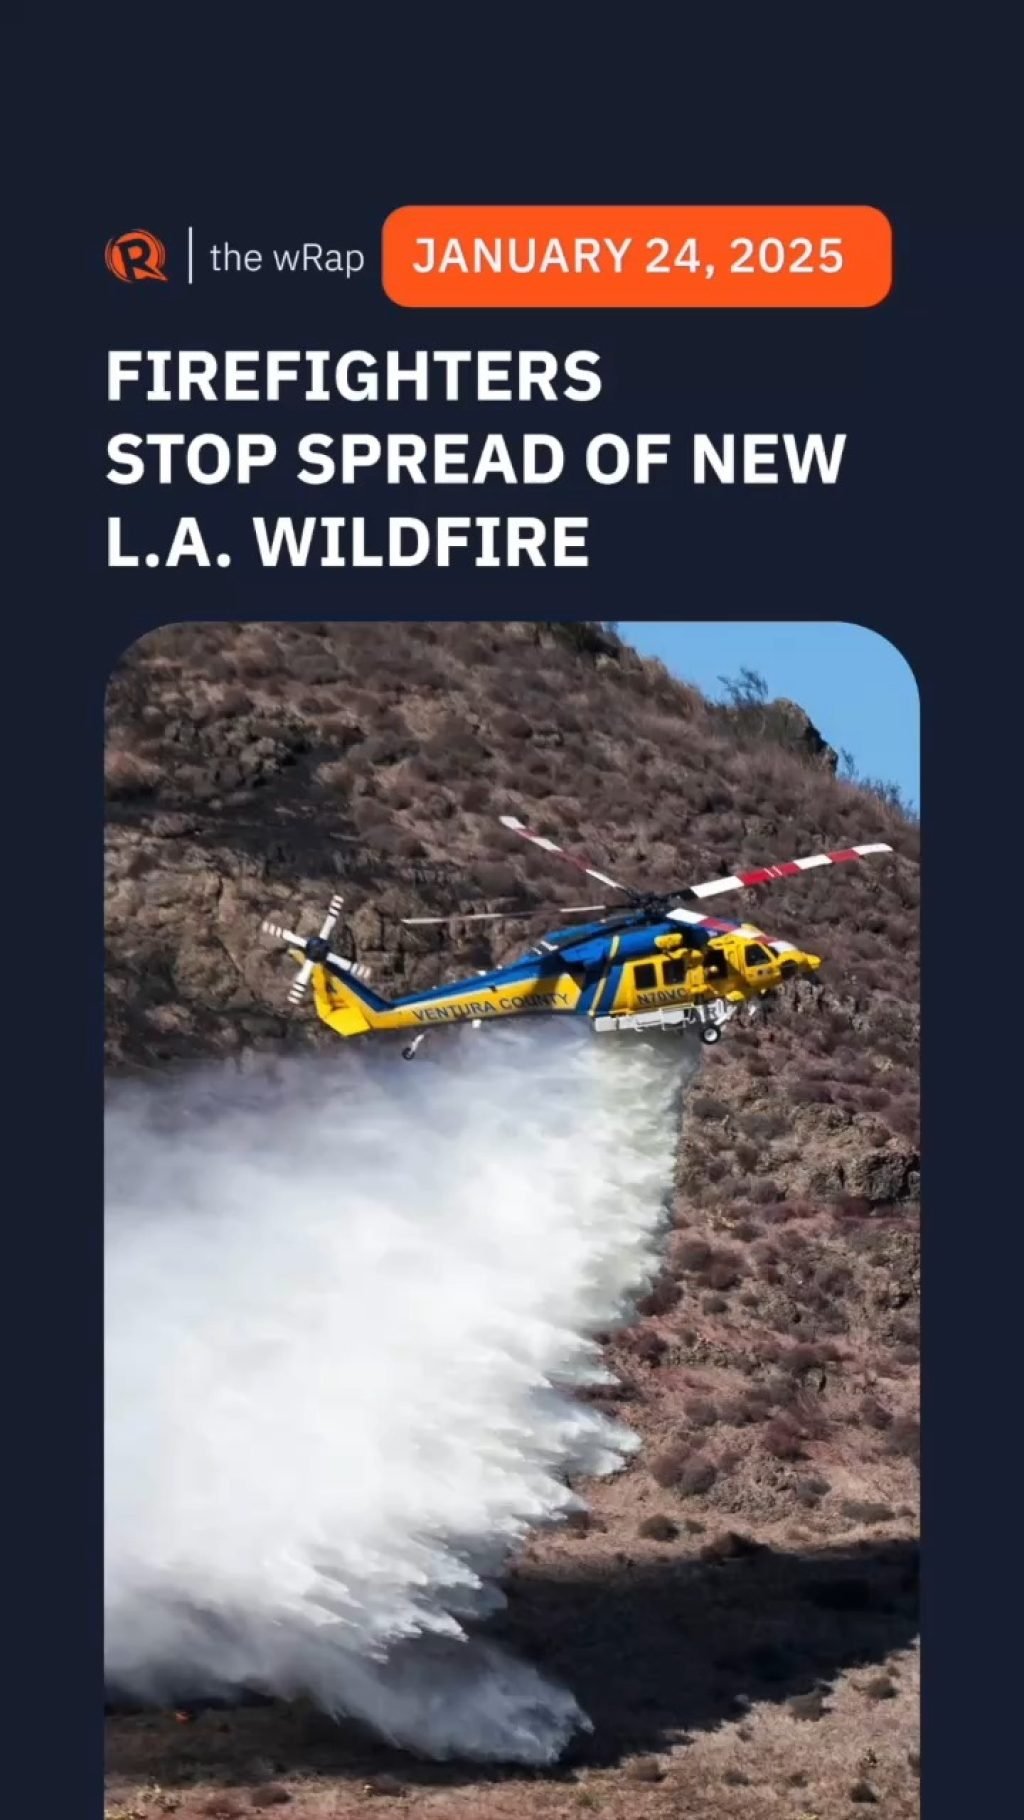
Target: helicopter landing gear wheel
711,1034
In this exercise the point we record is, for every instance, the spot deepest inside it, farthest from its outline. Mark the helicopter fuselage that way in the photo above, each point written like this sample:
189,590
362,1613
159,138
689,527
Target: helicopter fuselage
599,972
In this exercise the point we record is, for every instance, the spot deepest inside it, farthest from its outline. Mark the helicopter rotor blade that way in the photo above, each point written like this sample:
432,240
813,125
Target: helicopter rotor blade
299,983
501,916
550,846
792,868
468,916
333,913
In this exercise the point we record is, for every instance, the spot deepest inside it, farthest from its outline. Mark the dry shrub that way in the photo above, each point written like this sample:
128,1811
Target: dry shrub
810,1491
761,1126
398,793
341,729
904,1438
663,1297
336,775
783,1439
723,1270
692,1255
862,1510
701,1413
312,668
874,1099
737,1412
140,862
384,837
833,1279
645,1769
904,1119
512,726
873,1413
765,1251
706,1106
382,749
667,1466
766,1193
801,1359
880,1687
732,1546
697,1476
477,797
658,1529
493,879
789,1242
808,1092
809,1412
645,1344
127,775
851,1207
387,1785
810,1707
254,666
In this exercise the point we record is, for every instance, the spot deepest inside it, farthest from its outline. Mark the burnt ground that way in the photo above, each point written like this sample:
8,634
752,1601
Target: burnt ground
786,1671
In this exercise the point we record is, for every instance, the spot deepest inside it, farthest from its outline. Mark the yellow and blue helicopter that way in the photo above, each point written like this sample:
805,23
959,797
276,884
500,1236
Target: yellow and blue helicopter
655,963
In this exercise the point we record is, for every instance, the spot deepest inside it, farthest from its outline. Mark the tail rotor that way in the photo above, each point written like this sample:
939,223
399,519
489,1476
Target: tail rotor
315,949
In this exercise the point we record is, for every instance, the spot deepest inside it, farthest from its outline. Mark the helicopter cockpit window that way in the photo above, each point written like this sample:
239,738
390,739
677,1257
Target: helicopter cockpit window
645,977
714,965
673,973
756,956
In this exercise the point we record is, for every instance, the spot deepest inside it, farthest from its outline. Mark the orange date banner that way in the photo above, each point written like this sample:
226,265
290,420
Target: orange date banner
644,257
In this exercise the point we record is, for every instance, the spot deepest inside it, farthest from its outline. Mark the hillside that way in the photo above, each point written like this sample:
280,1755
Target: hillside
756,1568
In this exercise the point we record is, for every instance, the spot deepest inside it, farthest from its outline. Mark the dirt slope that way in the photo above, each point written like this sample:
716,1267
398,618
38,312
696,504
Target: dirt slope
739,1612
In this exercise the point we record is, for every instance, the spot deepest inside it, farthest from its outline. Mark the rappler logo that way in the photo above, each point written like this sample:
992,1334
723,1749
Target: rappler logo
136,255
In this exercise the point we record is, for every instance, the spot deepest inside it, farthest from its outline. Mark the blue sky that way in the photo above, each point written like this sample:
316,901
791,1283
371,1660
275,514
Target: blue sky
857,688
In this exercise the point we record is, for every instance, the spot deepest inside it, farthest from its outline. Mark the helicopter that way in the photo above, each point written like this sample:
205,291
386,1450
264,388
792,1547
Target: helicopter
653,963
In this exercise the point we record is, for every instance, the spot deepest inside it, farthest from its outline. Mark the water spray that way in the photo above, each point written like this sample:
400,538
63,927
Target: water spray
349,1305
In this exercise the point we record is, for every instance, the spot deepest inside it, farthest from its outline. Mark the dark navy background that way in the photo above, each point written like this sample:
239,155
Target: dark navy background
304,128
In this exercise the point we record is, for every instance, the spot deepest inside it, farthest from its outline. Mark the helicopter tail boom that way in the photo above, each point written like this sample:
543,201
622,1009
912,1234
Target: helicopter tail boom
347,1004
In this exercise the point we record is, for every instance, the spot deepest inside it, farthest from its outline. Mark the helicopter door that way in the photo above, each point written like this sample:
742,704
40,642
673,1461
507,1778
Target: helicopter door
592,974
716,966
677,972
757,962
